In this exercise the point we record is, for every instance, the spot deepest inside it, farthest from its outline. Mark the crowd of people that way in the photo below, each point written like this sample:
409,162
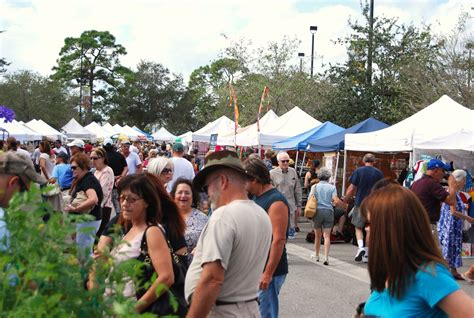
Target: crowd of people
215,232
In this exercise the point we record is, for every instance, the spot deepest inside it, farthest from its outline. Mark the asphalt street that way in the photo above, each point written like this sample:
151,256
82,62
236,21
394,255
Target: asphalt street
312,289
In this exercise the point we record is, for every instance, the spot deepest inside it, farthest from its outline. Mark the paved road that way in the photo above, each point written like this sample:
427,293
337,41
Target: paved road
314,290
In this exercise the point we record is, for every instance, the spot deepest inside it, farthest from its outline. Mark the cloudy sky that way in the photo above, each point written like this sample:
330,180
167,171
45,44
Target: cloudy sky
186,34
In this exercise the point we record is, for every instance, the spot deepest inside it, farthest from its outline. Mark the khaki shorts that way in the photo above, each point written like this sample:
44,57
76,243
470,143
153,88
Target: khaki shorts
243,309
357,219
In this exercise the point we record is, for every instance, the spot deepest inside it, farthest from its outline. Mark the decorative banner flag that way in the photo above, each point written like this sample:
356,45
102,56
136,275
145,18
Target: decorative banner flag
233,100
265,93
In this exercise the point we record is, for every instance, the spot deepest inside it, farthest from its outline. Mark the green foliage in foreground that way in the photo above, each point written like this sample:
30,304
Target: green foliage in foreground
41,275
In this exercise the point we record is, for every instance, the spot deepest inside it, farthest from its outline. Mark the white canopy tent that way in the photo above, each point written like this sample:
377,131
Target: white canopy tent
74,130
441,122
98,130
21,132
442,118
163,134
248,135
133,134
457,147
292,123
45,129
221,126
186,138
109,129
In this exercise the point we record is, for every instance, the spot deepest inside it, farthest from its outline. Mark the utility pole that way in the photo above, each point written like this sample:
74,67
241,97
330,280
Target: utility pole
313,30
301,56
370,47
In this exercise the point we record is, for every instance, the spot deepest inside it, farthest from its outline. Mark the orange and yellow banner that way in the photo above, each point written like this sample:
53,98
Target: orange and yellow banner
265,93
233,101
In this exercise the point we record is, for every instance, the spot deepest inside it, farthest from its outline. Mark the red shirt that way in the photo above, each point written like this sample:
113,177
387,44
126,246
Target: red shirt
431,194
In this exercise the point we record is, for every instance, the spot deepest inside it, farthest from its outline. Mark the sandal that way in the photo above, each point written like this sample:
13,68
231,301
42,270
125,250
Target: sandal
457,276
467,279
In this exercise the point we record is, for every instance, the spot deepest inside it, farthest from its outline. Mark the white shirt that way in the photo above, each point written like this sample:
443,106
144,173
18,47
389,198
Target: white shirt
182,169
133,161
59,150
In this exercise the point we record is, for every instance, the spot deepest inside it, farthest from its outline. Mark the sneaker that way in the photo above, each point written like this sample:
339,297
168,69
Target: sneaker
314,257
360,254
291,237
365,258
326,262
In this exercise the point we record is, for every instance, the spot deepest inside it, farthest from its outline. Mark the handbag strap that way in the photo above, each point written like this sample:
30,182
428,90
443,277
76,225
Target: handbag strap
173,254
144,245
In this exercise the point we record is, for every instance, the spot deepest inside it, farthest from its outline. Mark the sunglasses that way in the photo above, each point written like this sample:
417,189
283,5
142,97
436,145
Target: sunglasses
284,161
95,158
129,199
166,170
74,167
205,187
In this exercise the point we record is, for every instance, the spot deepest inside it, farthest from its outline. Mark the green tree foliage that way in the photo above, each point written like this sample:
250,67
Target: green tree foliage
3,62
149,96
93,59
3,65
33,96
41,275
401,53
456,66
250,71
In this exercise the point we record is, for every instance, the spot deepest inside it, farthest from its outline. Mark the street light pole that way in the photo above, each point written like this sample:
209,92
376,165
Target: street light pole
313,30
469,46
301,56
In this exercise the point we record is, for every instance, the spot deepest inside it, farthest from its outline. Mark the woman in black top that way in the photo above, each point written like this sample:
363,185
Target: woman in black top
86,197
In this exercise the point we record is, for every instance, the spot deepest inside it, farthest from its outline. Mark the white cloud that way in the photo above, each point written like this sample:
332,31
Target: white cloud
185,34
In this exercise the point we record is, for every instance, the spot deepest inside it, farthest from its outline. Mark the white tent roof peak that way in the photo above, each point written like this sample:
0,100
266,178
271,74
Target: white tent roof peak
248,135
163,134
222,125
292,123
74,130
443,117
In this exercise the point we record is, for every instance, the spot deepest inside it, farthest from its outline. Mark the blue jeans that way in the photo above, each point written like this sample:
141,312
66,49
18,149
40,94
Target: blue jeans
268,298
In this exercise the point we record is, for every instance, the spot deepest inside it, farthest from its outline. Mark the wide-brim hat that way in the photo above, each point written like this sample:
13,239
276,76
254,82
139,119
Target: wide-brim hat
215,161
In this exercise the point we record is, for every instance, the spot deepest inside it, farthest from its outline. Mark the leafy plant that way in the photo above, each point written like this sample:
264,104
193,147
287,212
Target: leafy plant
41,275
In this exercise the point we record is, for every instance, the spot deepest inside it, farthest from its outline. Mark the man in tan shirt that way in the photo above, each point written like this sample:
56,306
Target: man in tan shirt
286,180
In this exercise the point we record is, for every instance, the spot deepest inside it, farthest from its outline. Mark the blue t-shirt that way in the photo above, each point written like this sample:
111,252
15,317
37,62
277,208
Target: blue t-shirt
63,173
431,285
324,193
364,179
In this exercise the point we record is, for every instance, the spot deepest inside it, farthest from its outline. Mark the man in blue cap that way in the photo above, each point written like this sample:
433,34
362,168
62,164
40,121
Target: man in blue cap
432,194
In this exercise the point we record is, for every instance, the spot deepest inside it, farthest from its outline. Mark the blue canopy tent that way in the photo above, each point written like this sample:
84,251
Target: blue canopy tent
336,141
148,136
300,142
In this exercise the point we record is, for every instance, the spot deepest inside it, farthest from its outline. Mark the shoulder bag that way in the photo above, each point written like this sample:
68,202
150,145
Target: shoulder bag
311,207
171,302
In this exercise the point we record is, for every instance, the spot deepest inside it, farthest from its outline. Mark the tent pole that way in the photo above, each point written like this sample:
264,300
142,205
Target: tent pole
337,165
296,160
344,172
302,164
